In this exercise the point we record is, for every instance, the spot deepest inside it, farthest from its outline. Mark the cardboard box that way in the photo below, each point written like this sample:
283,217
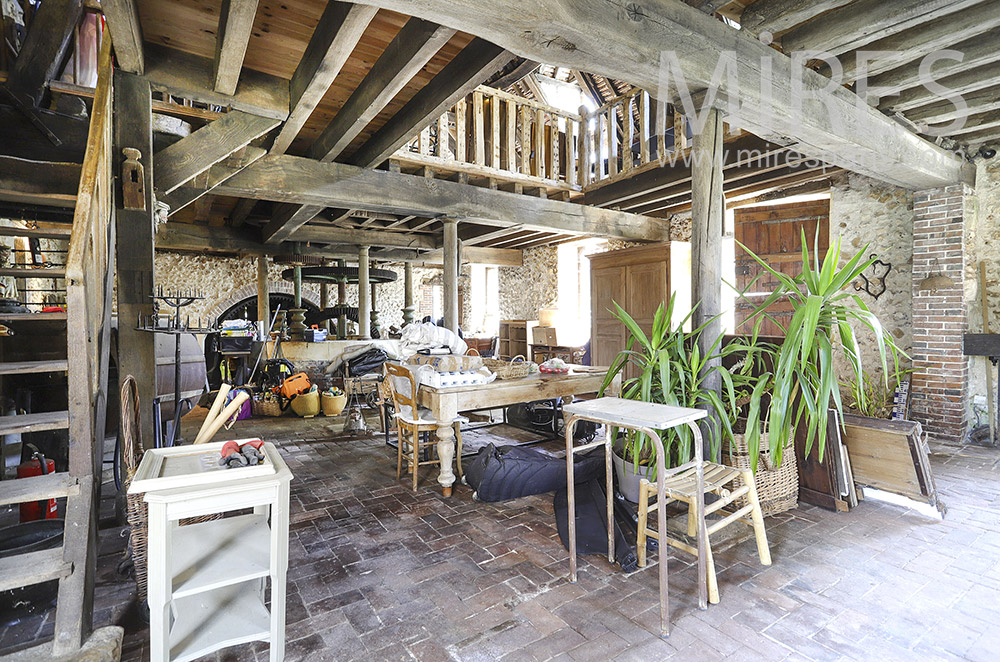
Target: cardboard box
543,335
447,362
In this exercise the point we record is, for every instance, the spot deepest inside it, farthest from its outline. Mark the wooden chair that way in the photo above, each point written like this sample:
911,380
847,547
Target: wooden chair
681,487
416,422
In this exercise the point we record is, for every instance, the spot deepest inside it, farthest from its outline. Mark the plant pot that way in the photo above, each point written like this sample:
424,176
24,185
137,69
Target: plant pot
628,475
333,405
777,487
306,405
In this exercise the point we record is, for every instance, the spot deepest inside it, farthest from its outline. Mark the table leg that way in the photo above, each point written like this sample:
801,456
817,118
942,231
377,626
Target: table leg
571,498
447,411
610,489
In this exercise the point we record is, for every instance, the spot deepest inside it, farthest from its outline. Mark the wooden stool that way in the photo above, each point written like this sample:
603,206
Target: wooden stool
415,420
681,487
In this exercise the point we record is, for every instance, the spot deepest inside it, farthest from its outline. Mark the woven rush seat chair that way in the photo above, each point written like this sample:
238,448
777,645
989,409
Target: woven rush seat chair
417,422
681,487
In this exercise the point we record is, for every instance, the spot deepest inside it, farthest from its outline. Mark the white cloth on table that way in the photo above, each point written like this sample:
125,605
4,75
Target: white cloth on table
402,386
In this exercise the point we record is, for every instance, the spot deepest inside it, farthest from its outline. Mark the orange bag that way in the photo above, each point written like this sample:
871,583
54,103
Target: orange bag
295,385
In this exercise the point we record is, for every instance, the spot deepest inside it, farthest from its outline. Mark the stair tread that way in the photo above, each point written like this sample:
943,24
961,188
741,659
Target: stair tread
29,272
20,367
32,568
37,488
16,317
46,420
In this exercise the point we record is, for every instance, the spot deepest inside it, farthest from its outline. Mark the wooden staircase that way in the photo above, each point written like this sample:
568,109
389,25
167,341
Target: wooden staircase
89,274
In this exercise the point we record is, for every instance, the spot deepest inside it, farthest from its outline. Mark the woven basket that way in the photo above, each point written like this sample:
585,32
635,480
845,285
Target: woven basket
777,487
269,407
509,369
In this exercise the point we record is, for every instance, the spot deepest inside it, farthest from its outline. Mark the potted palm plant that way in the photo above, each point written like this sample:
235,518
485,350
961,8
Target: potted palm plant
669,369
802,385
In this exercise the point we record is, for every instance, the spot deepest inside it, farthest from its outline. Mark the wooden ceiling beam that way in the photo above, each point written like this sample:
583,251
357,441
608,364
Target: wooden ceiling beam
235,24
979,101
864,21
122,17
961,83
973,124
208,180
779,16
190,76
472,235
45,183
602,38
331,235
464,73
412,48
977,51
983,137
912,45
284,178
501,257
194,154
334,39
43,50
417,42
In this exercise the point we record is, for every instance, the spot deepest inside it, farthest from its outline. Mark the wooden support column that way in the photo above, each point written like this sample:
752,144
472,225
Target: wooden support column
451,274
341,301
324,301
297,284
364,304
135,229
263,292
408,308
707,210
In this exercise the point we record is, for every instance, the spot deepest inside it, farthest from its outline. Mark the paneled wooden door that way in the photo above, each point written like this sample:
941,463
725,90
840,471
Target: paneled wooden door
774,233
607,284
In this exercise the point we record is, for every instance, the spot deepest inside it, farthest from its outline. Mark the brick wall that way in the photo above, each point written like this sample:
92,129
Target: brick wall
939,313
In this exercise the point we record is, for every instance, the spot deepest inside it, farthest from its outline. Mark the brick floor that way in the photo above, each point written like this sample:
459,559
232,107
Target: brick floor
378,572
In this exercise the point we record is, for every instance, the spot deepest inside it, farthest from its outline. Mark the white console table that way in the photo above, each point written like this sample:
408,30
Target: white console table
206,581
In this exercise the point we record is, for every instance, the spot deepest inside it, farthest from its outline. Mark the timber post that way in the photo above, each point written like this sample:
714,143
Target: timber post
364,304
263,294
451,273
707,210
408,307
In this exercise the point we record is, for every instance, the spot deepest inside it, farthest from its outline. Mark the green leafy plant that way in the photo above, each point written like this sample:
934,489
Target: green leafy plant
802,383
671,369
871,396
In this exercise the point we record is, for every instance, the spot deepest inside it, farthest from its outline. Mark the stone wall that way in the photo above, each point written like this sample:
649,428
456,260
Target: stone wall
533,285
226,281
877,218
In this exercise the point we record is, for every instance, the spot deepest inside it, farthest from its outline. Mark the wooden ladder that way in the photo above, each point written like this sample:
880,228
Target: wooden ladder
89,274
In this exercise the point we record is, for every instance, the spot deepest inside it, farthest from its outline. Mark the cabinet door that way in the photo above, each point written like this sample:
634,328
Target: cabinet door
646,289
607,285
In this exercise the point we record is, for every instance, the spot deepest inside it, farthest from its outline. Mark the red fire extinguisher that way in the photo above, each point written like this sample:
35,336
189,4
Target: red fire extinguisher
38,465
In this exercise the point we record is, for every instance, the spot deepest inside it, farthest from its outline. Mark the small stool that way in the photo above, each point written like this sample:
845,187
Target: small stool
644,417
682,487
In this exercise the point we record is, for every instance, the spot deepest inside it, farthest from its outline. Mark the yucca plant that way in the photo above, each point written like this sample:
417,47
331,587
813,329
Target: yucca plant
673,370
803,383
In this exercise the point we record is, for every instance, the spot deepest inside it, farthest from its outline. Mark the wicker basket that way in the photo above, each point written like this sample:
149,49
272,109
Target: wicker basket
268,407
777,487
512,369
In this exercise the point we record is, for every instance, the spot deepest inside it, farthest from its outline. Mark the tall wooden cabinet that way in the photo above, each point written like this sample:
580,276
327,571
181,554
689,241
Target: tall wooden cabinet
639,279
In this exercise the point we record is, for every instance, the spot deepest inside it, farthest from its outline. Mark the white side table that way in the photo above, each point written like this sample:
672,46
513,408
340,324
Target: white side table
206,581
647,418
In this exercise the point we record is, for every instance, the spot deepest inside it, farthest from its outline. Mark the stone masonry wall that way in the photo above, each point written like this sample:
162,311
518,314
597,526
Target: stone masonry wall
877,218
939,312
533,285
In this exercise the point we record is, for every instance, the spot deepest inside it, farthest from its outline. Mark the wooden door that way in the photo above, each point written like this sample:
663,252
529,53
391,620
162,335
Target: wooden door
607,285
647,290
774,234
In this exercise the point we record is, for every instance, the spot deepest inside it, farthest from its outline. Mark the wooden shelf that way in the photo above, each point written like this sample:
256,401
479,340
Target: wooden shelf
219,553
48,420
211,620
37,488
24,367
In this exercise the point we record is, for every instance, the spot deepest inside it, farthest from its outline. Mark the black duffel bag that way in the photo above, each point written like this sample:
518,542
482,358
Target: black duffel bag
508,472
369,362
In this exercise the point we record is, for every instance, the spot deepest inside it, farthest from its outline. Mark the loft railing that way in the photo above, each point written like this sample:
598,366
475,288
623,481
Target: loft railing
493,134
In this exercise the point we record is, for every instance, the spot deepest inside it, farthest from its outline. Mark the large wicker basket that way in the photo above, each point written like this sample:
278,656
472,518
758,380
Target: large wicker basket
261,406
777,487
513,369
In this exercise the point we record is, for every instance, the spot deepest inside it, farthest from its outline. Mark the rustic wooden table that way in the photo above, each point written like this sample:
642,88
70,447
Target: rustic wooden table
446,403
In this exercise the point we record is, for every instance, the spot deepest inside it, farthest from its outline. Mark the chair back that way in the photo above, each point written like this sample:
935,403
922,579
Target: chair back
400,399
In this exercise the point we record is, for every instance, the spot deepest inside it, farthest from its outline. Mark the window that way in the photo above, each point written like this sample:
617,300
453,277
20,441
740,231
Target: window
573,315
484,301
